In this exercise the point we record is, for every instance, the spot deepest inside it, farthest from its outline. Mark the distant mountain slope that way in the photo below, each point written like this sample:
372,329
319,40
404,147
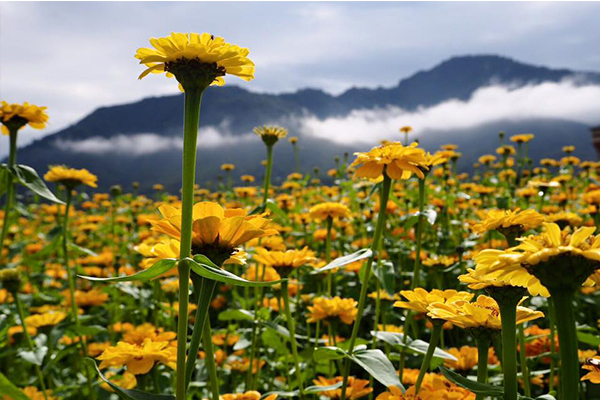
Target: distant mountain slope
234,111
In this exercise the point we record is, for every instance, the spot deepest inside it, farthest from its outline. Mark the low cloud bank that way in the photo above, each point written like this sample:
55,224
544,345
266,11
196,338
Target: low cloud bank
565,100
146,143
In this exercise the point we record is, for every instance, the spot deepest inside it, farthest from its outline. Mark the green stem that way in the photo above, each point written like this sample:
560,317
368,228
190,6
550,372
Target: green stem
552,318
10,188
523,362
384,195
292,329
193,98
328,254
417,265
210,359
435,337
206,288
483,348
567,341
267,175
29,341
508,314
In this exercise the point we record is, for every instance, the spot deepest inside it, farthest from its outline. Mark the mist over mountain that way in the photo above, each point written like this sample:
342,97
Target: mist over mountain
141,141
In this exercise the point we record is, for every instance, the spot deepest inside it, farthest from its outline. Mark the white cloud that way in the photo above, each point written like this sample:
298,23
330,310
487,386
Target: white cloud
146,143
564,100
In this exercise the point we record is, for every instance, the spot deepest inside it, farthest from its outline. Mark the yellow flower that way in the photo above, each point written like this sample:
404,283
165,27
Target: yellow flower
322,211
506,219
467,358
477,279
46,319
483,313
270,134
227,167
325,308
285,259
140,333
522,265
19,115
33,393
71,177
592,365
400,161
522,138
191,55
137,359
249,395
356,388
126,381
420,299
216,232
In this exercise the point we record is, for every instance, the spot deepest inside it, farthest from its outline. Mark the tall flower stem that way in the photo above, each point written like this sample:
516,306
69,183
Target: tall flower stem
508,313
435,337
523,361
417,265
567,340
29,341
10,188
193,98
206,289
483,348
383,199
328,254
552,318
211,366
292,328
267,176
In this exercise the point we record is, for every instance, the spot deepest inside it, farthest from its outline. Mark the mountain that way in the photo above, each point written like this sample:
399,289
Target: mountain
152,127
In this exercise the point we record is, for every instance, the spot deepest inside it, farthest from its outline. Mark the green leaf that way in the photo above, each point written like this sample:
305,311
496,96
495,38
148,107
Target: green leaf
127,394
295,393
82,249
474,386
341,261
29,178
207,269
318,389
90,330
274,208
236,315
384,271
329,353
588,338
4,174
393,338
420,346
7,388
157,269
378,366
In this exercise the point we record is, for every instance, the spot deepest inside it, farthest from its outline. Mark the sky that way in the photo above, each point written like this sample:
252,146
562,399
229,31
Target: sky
74,57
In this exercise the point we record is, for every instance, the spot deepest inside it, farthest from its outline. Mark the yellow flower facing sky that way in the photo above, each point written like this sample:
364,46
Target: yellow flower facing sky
400,161
193,56
326,210
20,115
324,308
216,232
71,177
137,359
506,219
356,389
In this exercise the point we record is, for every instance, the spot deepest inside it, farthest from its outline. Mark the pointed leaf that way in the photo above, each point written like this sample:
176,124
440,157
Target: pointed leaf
378,366
341,261
318,389
207,269
329,353
474,386
28,177
7,388
157,269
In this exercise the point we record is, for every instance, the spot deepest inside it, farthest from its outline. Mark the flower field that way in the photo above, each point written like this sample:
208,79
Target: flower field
402,279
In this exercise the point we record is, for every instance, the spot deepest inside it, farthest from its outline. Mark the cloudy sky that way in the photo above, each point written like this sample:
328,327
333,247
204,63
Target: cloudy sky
74,57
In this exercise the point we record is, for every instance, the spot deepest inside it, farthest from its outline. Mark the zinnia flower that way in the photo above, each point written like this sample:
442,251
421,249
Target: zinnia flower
270,134
285,261
503,220
325,308
356,388
483,313
420,299
19,115
71,177
323,211
216,232
137,359
400,161
592,365
194,59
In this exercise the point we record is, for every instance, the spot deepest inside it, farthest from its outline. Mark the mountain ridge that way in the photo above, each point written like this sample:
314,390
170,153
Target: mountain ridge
235,111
